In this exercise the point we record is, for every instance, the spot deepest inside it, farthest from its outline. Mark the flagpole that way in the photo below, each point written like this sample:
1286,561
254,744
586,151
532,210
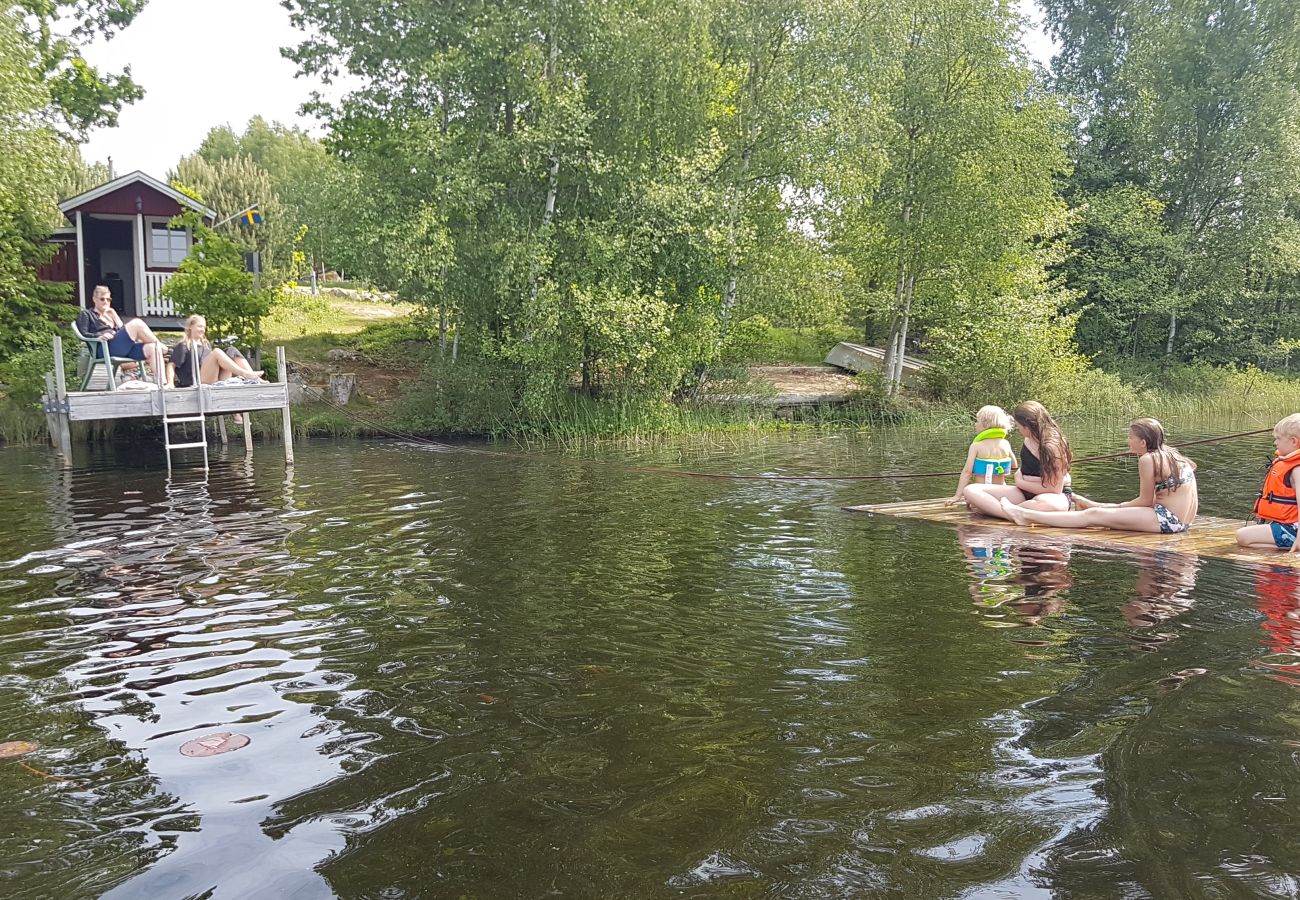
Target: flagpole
235,216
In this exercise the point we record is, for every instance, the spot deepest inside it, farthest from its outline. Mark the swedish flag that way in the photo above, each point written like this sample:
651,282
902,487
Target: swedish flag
250,217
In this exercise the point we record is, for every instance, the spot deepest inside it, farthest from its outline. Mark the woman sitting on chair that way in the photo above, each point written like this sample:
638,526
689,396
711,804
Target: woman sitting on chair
131,340
193,352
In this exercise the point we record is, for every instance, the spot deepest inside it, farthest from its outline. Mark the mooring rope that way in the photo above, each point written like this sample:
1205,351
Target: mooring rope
735,476
1085,459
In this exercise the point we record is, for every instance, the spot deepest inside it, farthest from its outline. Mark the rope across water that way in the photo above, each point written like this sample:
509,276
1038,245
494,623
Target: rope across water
734,476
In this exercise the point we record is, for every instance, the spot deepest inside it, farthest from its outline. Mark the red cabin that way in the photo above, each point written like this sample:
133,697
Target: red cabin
120,236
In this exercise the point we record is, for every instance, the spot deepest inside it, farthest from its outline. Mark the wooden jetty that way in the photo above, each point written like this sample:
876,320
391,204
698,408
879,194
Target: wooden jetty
169,405
1209,536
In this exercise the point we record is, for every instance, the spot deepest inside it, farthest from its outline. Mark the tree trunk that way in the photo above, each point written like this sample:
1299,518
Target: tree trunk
733,251
442,331
896,377
896,325
1173,330
552,178
342,387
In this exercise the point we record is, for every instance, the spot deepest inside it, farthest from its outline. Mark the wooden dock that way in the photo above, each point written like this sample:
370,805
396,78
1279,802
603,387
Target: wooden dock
63,407
1209,536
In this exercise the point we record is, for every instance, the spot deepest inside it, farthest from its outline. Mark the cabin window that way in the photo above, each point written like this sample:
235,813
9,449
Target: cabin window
167,246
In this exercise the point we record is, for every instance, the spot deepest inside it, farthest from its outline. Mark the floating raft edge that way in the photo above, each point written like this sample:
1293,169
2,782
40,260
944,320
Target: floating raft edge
1210,536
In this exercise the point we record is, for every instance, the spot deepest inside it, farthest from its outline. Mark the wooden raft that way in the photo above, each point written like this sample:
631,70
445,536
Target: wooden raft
1209,536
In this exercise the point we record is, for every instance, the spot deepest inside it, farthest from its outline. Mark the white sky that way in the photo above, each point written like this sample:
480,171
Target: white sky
233,49
235,46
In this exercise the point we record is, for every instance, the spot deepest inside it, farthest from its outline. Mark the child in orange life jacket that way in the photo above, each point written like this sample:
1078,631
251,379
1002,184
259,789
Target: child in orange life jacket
1276,504
990,458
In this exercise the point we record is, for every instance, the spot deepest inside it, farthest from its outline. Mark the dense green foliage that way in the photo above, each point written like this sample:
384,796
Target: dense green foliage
600,195
45,86
212,282
1187,176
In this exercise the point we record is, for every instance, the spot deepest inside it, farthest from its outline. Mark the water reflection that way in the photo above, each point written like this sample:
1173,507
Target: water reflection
1163,588
1277,596
505,677
1015,579
176,638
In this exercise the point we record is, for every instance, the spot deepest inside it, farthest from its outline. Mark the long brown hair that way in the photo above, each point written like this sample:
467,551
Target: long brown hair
1053,449
1168,460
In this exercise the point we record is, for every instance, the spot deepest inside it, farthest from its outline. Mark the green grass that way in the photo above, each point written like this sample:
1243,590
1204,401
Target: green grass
309,327
794,346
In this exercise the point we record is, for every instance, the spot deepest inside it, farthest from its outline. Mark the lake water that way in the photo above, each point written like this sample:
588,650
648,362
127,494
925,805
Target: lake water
529,675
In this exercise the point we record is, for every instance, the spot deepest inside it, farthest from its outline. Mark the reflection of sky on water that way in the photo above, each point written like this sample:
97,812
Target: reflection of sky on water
176,637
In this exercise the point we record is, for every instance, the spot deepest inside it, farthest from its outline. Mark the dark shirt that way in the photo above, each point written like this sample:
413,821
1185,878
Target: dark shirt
182,358
92,326
1029,463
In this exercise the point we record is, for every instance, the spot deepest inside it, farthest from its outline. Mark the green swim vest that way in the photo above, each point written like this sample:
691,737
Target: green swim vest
990,434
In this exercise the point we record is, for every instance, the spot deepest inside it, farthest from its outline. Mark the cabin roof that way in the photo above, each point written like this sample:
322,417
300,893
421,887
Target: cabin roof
108,187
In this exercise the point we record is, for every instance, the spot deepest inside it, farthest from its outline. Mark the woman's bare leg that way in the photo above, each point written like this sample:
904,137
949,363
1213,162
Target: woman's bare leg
235,366
218,366
1047,502
1119,518
986,498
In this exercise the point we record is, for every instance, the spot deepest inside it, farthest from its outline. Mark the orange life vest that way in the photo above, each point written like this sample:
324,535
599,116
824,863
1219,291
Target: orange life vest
1277,498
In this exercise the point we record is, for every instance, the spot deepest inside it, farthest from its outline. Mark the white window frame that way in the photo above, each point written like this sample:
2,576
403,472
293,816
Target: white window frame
149,224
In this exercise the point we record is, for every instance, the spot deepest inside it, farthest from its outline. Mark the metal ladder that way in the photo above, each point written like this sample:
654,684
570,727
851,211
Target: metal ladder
169,421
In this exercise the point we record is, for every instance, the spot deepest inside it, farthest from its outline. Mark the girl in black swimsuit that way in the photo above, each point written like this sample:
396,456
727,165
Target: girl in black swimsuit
1044,477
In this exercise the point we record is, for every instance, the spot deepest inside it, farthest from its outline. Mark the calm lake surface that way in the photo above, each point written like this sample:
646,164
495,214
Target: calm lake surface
525,675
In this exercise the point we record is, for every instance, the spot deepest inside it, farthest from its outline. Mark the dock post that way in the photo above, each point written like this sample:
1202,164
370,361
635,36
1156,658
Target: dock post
248,434
50,398
221,430
282,369
61,421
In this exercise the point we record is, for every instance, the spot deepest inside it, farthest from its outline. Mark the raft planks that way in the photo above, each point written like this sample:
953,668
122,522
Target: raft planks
1209,536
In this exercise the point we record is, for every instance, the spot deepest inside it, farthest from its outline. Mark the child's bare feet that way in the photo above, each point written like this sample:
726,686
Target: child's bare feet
1014,513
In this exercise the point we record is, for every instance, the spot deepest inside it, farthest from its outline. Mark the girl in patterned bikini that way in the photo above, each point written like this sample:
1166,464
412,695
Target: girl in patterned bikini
1167,499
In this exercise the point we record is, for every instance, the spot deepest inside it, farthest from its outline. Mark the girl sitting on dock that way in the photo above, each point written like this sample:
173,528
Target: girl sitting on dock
1043,480
1166,502
990,458
194,352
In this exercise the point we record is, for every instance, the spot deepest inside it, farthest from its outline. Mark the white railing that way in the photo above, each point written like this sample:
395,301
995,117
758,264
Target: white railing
154,303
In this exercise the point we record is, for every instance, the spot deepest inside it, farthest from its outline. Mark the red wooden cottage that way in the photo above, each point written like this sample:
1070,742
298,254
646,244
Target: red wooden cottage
120,236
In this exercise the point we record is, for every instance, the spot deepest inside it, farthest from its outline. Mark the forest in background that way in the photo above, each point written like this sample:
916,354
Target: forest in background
625,199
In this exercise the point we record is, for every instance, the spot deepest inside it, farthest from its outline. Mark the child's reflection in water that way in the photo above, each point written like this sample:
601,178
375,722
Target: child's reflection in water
1277,596
1164,588
1027,577
1015,576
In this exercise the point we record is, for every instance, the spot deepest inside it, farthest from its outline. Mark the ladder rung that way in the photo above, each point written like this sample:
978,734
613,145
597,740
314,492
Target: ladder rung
171,447
174,421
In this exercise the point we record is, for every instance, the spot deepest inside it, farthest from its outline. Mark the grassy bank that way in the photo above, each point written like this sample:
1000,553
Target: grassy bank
406,388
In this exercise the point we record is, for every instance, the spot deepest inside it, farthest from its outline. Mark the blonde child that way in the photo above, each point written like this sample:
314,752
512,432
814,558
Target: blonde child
990,458
1276,504
1043,477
